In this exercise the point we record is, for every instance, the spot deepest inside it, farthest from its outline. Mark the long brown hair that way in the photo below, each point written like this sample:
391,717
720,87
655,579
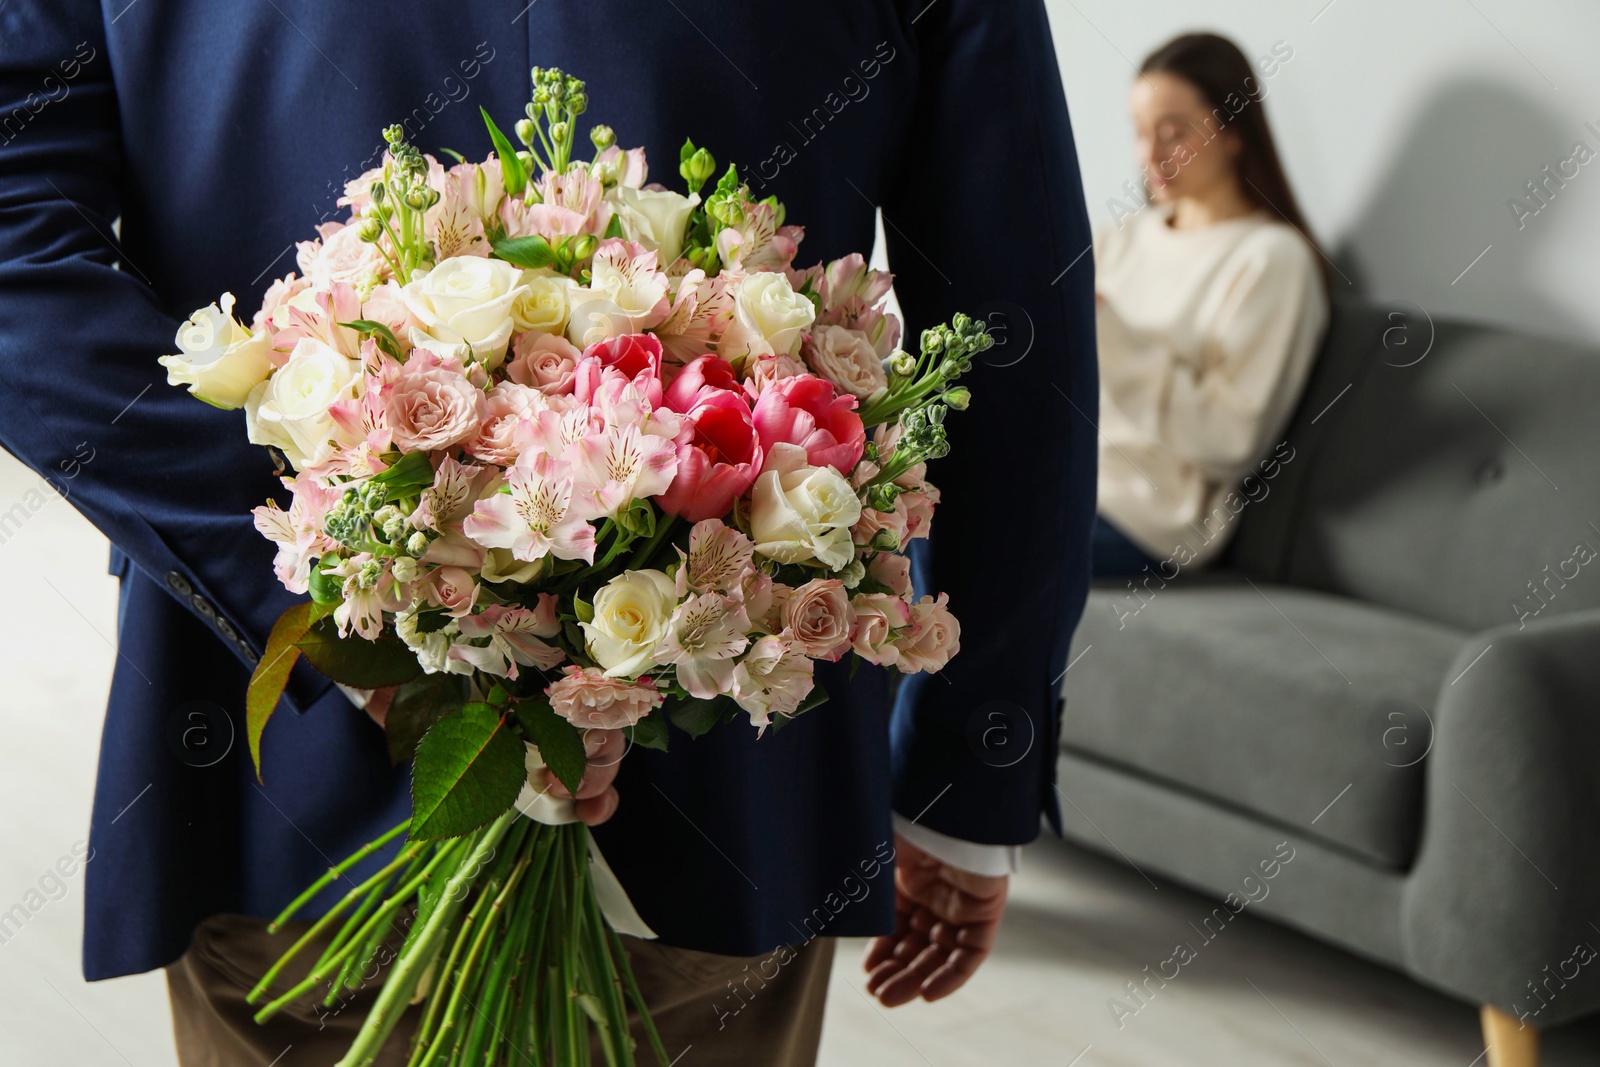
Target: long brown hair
1215,66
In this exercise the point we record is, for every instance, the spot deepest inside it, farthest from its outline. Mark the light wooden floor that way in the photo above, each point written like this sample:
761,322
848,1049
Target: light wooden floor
1078,929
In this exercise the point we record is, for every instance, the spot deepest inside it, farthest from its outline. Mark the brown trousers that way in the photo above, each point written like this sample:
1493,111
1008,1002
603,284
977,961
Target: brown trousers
731,1011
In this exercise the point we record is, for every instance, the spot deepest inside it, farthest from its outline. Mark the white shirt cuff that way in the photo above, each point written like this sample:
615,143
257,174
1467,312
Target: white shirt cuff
990,860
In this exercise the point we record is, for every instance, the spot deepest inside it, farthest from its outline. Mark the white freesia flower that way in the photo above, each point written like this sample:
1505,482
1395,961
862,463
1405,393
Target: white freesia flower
804,514
631,613
766,305
465,306
290,409
655,218
221,360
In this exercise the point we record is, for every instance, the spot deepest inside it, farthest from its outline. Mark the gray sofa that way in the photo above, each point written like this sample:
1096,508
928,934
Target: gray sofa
1395,669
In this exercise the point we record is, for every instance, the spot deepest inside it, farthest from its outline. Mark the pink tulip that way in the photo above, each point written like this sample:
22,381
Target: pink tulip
806,411
705,374
718,458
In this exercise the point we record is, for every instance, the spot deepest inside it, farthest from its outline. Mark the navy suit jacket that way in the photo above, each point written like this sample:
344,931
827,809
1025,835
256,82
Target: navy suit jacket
221,133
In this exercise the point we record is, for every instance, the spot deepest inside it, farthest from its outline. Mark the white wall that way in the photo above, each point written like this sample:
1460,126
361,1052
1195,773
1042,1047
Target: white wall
1405,126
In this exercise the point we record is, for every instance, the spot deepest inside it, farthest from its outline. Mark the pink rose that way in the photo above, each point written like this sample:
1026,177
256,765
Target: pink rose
588,699
918,511
432,405
933,637
543,361
340,256
891,571
878,616
760,373
871,521
806,411
452,589
846,358
508,423
817,617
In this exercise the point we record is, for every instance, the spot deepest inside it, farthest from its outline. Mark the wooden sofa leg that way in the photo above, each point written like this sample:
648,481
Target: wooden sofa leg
1510,1042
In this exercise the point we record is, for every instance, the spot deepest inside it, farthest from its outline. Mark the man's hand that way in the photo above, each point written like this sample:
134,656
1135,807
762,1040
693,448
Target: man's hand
945,924
597,797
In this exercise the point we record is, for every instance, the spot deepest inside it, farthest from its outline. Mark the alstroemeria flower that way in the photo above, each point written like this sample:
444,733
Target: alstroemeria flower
612,468
718,559
536,517
513,635
704,635
773,678
805,410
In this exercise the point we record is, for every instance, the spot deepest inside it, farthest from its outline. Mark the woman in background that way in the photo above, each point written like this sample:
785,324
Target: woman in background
1211,302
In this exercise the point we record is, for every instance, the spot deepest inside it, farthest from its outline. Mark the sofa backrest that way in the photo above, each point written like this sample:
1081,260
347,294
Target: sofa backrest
1446,469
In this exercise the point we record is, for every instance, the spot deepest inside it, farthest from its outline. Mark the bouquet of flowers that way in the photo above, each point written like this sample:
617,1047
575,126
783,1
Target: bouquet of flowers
564,450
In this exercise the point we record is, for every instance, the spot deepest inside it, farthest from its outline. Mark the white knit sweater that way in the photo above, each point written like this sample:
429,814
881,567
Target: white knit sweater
1206,339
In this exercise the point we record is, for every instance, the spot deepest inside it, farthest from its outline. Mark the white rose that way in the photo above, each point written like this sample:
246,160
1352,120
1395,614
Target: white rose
464,305
221,361
544,306
767,305
656,218
290,409
804,514
631,613
847,359
594,319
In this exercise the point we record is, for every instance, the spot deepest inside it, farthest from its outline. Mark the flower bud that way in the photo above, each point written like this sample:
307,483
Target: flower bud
583,246
851,576
902,364
417,543
698,168
558,132
524,131
369,230
885,541
958,398
602,137
404,569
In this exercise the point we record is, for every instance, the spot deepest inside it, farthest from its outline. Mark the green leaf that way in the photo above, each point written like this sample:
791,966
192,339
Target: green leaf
414,470
649,732
511,170
582,608
468,772
324,589
694,717
560,743
529,253
271,675
416,706
387,341
615,228
355,661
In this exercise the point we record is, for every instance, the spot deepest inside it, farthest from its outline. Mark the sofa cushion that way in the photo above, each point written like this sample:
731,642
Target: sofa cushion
1299,707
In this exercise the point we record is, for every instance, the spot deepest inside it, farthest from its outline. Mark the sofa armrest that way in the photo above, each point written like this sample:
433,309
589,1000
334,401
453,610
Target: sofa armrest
1498,906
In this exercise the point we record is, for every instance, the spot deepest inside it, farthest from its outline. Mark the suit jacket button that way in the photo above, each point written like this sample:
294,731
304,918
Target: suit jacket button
202,605
225,628
178,583
249,656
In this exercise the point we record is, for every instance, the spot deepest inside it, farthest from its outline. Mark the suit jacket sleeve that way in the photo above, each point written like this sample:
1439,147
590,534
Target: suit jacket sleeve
987,216
82,400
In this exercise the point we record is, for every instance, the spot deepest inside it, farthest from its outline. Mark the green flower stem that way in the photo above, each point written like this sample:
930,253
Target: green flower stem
334,873
350,974
473,929
421,949
603,971
494,979
319,974
643,555
620,952
321,925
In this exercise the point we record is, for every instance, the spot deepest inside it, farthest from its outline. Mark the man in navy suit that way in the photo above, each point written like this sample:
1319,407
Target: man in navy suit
220,133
